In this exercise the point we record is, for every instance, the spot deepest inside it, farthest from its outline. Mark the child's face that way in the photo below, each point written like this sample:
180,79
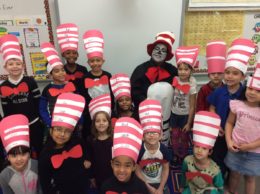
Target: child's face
122,167
252,95
95,64
125,103
58,74
19,161
184,72
233,76
101,122
60,135
71,56
159,53
152,138
201,153
14,67
216,78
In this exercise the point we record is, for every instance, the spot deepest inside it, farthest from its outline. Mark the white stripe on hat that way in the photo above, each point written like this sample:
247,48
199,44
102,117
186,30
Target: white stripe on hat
94,49
238,56
68,40
206,129
150,113
216,42
151,119
216,57
46,49
16,143
204,140
93,39
9,43
237,64
241,47
207,119
10,49
14,134
14,56
127,135
64,119
131,125
128,146
150,106
69,45
93,44
68,111
70,102
16,128
65,29
185,60
151,127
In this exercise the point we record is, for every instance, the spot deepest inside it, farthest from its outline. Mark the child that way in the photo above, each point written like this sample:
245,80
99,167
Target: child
50,93
100,143
154,157
21,176
156,69
216,59
243,137
235,69
121,88
68,38
127,142
62,164
184,99
96,82
20,94
200,173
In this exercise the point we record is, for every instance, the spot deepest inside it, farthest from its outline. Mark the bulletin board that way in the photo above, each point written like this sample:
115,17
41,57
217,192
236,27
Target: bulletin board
203,26
30,21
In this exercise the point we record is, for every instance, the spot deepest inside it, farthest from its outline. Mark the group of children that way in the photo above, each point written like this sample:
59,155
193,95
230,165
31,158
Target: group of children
103,133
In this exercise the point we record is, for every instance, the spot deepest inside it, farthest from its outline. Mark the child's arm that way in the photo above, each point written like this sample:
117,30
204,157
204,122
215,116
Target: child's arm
228,132
44,113
4,186
212,108
249,146
164,177
191,112
201,100
219,183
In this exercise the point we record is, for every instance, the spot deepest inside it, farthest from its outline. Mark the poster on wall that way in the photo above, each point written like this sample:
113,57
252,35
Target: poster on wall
38,62
31,37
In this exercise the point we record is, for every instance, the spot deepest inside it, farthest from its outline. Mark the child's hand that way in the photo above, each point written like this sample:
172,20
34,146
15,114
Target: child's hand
151,189
244,147
87,164
159,191
93,183
232,146
221,132
186,128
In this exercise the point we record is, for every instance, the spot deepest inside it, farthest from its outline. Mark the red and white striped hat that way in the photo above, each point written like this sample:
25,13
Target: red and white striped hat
205,129
67,110
187,54
68,37
239,53
165,37
52,56
150,115
94,43
120,85
127,139
14,131
254,81
10,48
216,56
100,103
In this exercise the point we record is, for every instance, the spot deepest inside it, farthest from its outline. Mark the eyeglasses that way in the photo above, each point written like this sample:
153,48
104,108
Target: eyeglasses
62,131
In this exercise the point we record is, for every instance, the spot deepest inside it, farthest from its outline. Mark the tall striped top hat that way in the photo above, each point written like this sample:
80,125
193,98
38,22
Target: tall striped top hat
187,54
10,48
100,103
239,53
165,37
205,129
216,56
68,110
52,56
254,81
127,138
150,114
14,131
94,43
68,37
120,85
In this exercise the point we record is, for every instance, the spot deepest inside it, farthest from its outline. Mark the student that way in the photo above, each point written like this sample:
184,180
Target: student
216,59
100,143
243,137
235,70
127,142
20,94
184,100
63,162
200,174
58,85
153,160
21,175
96,82
68,38
156,69
121,88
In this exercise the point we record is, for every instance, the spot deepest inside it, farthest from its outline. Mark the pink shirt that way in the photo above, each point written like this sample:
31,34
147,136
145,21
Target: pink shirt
247,127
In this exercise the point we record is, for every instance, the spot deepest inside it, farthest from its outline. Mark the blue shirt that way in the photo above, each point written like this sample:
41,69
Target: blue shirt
220,99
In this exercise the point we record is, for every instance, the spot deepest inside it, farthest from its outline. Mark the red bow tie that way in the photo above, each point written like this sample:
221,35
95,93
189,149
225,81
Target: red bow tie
156,74
185,88
74,76
75,152
191,175
90,83
7,91
69,87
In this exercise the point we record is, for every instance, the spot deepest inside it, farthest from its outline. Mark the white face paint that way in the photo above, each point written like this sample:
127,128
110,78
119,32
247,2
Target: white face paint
159,53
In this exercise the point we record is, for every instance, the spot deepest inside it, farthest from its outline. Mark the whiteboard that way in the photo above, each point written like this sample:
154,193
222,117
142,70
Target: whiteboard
128,26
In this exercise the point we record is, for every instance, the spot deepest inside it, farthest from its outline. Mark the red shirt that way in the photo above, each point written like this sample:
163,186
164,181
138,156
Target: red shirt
204,92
